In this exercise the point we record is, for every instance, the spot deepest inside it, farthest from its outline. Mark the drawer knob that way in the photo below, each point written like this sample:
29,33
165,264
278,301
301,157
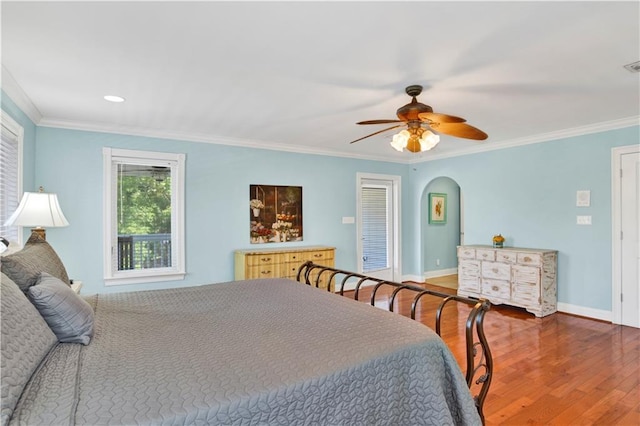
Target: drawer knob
527,259
317,255
495,288
265,272
265,259
495,270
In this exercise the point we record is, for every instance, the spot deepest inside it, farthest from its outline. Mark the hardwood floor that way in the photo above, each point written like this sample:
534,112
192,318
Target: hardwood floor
557,370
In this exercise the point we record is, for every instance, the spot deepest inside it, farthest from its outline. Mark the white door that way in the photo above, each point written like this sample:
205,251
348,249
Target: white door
626,236
630,212
378,226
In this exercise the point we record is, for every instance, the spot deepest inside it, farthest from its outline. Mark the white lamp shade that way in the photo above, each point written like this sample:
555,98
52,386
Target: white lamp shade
38,209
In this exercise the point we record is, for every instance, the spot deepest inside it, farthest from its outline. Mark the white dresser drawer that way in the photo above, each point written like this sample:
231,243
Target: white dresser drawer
497,271
483,254
530,259
466,253
506,256
496,289
526,274
526,293
469,275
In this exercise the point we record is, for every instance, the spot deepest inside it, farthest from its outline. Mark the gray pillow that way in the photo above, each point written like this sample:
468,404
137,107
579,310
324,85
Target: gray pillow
26,340
68,315
24,266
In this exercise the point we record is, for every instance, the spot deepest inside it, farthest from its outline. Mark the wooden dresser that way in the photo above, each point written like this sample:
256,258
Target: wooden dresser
280,262
515,276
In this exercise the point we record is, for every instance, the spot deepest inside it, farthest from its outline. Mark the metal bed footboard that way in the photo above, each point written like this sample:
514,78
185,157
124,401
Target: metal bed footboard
479,363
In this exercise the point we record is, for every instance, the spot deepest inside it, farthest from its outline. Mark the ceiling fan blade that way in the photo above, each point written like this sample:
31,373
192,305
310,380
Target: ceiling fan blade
460,130
440,118
380,122
379,131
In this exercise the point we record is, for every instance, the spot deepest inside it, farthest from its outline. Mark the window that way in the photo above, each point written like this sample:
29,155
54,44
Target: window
144,216
10,176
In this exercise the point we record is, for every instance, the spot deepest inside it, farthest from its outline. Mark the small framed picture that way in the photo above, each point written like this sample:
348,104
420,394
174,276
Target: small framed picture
437,208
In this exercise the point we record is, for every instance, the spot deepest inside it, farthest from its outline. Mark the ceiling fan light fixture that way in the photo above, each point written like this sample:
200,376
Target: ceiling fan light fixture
400,140
428,140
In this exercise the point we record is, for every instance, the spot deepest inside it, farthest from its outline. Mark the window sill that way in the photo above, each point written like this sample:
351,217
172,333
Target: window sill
143,278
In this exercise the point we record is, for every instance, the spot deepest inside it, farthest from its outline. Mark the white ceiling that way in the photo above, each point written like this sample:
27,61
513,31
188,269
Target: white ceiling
299,75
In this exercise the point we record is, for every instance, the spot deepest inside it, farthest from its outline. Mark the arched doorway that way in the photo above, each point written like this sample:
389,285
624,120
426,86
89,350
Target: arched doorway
441,238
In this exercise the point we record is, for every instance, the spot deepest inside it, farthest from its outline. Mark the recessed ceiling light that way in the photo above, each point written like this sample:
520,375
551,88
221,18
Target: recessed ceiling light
113,98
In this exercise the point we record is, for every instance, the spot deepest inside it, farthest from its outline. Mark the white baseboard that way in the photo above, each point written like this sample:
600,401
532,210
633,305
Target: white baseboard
414,278
582,311
439,273
351,285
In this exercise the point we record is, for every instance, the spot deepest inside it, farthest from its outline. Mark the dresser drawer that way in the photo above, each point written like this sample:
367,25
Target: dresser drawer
262,271
526,274
506,256
482,254
466,253
264,259
526,293
496,289
498,271
530,259
469,275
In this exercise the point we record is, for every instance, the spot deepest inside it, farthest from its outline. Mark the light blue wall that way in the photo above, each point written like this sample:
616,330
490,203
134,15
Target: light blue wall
69,162
440,240
528,194
525,193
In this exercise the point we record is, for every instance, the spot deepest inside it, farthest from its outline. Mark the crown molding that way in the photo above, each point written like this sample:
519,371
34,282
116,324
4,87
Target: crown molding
258,144
211,139
19,97
543,137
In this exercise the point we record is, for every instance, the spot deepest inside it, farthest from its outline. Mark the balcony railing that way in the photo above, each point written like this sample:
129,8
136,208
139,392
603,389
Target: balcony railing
144,251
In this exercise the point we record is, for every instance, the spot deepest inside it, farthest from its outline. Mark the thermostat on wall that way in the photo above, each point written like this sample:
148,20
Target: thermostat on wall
583,198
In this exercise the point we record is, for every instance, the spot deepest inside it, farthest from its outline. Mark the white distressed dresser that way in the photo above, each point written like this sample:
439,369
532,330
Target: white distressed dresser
514,276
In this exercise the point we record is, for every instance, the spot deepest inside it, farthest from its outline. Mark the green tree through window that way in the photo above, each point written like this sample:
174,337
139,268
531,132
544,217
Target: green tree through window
144,203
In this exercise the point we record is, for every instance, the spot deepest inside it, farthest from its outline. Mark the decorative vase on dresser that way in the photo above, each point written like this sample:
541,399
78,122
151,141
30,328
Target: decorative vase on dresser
514,276
281,262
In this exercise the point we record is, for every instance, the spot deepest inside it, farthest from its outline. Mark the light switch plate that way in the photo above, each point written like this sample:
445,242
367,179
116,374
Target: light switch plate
348,219
583,220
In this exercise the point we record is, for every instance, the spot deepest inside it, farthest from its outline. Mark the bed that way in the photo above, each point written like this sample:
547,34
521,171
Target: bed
269,351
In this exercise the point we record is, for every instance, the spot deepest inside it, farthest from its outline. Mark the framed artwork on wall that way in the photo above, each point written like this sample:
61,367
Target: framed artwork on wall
275,214
437,207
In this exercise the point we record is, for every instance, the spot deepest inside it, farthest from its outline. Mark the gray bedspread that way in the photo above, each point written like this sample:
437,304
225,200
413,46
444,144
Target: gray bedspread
258,352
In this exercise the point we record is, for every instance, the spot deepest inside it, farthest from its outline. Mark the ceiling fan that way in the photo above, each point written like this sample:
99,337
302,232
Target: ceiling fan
420,123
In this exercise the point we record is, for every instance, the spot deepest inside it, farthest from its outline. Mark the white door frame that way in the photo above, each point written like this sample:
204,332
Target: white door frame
616,210
396,267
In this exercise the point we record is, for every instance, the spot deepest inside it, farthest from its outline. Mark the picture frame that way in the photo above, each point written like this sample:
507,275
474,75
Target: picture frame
437,208
275,214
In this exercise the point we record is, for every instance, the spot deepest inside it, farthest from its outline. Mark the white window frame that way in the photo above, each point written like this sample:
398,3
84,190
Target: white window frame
112,157
11,125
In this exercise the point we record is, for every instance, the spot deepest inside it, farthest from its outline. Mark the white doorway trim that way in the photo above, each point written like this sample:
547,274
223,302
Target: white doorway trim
616,210
396,211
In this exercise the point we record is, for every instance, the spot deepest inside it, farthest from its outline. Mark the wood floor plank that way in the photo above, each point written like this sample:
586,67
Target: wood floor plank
557,370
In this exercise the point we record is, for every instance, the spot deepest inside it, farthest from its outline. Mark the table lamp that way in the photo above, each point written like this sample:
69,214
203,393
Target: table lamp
38,209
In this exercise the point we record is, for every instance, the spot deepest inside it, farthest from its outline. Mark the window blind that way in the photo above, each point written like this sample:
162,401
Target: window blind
9,180
374,229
